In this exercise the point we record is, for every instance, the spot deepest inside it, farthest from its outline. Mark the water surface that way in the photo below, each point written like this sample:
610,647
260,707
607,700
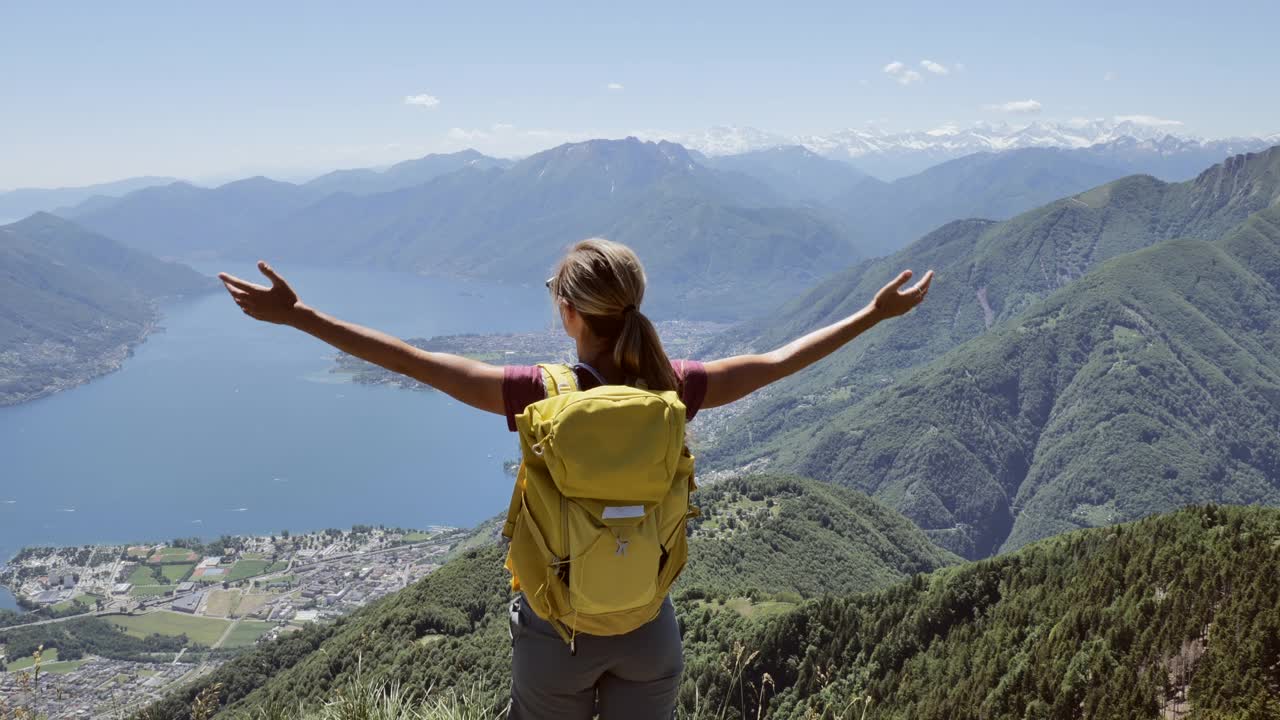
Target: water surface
221,424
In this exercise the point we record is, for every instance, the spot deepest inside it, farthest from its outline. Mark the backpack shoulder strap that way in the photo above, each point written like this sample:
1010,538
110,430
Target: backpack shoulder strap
558,378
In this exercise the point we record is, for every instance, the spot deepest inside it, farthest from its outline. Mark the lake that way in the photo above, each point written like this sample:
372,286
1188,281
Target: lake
222,424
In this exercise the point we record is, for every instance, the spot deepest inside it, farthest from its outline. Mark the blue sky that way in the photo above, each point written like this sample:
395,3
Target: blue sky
99,91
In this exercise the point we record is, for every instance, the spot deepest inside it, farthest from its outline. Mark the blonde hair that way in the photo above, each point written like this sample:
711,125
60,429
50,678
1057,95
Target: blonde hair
604,281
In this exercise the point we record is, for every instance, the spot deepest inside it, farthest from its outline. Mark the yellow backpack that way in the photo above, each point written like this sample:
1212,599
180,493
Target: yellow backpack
597,518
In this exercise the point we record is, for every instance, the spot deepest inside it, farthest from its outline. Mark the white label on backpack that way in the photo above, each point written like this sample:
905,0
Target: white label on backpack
618,512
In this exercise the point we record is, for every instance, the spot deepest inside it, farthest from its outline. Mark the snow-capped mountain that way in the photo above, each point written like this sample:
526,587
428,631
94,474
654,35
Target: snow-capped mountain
1136,141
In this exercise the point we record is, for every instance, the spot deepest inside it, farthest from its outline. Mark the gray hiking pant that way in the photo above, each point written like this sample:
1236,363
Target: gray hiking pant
621,677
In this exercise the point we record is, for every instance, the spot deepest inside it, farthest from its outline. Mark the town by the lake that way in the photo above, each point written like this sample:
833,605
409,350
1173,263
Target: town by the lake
193,604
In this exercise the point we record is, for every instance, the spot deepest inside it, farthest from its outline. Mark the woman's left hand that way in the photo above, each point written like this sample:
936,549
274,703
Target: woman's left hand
893,301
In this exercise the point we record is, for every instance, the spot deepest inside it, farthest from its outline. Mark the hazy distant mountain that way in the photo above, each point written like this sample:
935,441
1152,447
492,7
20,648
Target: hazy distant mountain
797,174
883,217
181,220
73,303
403,175
22,202
1134,145
992,272
886,216
713,244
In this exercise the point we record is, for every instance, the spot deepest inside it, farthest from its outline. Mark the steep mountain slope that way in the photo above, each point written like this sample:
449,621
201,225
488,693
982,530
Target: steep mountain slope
713,244
1169,617
987,274
72,303
402,175
995,186
451,628
20,203
184,221
1150,383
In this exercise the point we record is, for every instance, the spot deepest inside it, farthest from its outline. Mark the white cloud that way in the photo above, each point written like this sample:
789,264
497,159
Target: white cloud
423,100
959,67
614,86
1024,107
935,68
1148,120
901,74
1109,75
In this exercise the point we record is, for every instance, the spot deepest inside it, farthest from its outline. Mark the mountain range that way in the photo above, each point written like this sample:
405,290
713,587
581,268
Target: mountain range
778,220
1012,436
719,245
73,303
19,203
1131,144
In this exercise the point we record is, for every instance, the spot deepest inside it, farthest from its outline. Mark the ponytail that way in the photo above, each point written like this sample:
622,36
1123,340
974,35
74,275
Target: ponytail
640,354
605,282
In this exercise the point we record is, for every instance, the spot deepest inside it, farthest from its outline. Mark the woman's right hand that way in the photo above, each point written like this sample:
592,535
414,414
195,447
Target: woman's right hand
276,304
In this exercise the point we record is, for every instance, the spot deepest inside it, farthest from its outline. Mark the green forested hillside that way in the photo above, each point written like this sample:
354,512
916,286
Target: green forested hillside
1150,383
450,629
987,274
1171,617
72,302
765,535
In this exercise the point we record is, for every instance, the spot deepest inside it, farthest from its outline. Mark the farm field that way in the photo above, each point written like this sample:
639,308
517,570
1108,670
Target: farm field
143,575
221,603
251,603
248,568
246,633
202,630
26,662
176,573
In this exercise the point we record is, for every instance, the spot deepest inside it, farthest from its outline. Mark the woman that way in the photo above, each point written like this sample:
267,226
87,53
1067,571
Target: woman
597,288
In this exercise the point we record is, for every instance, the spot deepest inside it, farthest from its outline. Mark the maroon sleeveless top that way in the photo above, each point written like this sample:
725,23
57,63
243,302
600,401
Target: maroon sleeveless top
522,386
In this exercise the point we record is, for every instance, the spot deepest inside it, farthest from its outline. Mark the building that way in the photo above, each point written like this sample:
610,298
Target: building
121,588
189,604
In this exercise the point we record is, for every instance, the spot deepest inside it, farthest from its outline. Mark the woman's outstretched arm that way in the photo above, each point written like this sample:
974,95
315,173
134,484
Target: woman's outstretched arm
473,382
736,377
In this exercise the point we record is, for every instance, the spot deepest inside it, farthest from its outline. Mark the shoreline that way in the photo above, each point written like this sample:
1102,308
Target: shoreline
104,364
